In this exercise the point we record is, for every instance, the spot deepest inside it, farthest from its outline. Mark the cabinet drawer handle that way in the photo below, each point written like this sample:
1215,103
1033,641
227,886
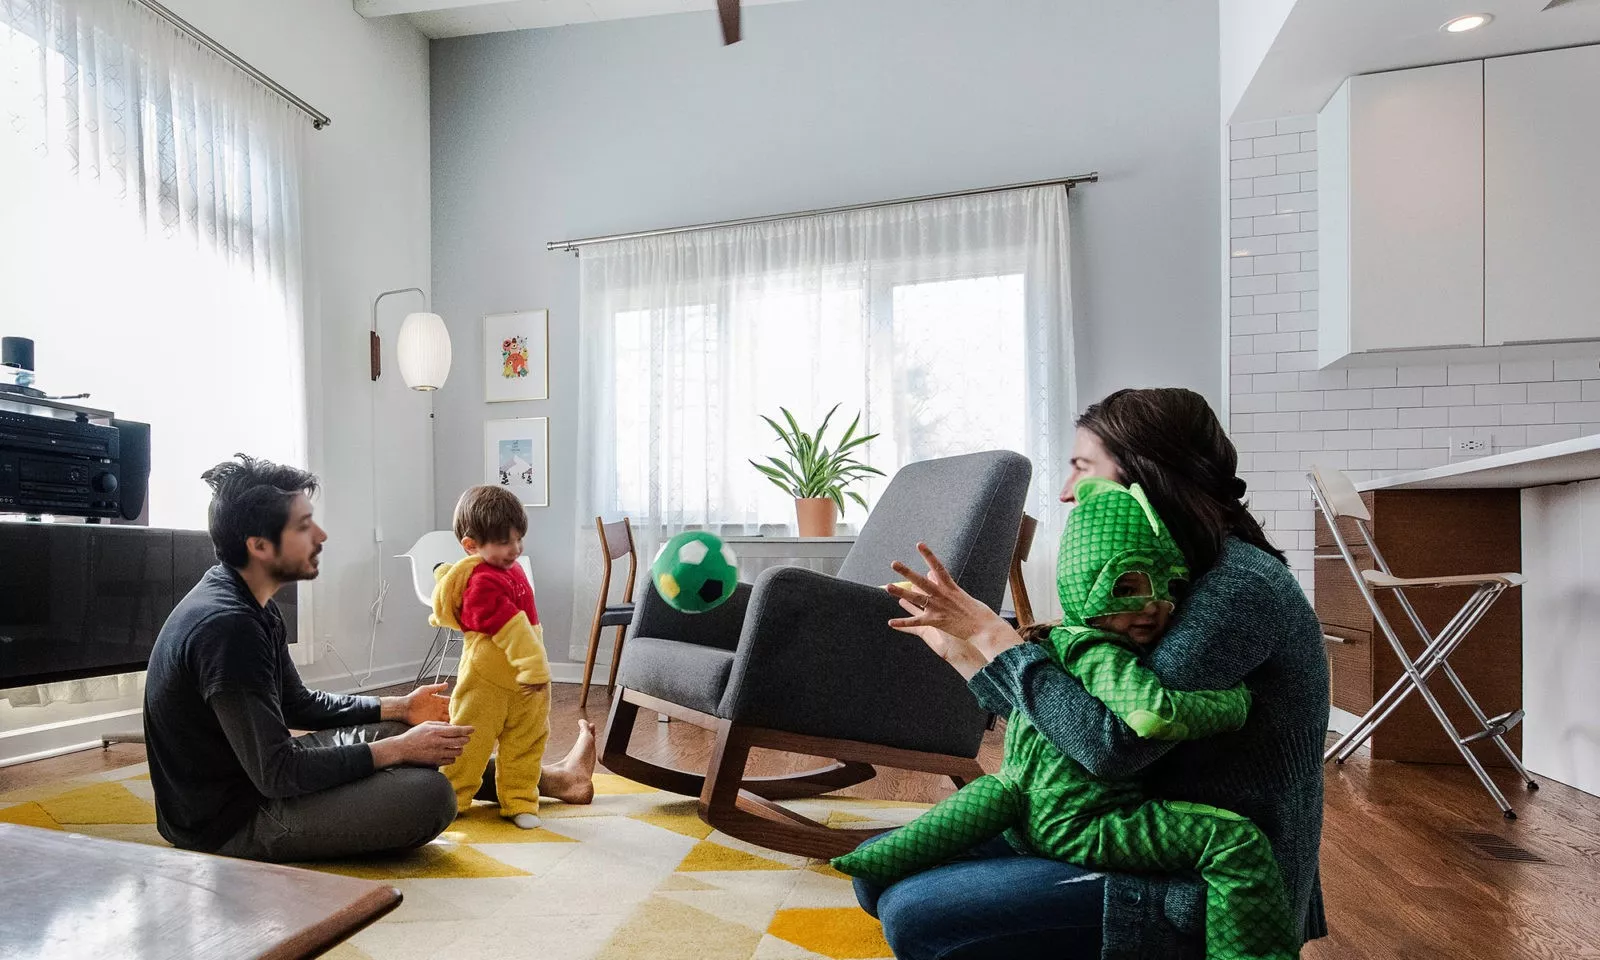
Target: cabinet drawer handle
1330,638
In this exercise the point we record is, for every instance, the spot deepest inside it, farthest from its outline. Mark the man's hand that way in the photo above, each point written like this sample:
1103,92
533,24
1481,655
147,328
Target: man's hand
430,743
418,706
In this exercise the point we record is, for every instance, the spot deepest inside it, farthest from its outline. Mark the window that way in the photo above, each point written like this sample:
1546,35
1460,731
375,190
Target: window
935,367
152,254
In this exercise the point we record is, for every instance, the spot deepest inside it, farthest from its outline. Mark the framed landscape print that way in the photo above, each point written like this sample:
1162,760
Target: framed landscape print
516,455
516,356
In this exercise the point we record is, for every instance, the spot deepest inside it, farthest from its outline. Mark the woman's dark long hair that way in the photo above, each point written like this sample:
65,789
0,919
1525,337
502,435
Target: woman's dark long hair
1169,442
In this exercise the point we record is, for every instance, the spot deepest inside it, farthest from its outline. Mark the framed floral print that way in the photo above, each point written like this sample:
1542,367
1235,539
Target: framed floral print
516,356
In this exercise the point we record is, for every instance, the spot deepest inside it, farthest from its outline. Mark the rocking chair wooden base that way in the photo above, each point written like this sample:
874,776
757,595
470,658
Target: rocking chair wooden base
745,807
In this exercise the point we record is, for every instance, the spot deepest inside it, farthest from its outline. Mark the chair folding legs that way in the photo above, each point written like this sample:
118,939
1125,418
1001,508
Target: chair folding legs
1435,656
1427,661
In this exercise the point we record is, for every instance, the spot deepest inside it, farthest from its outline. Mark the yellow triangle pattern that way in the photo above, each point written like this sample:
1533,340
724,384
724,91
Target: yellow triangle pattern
707,856
29,815
485,825
687,824
108,802
436,861
665,929
844,933
839,818
609,784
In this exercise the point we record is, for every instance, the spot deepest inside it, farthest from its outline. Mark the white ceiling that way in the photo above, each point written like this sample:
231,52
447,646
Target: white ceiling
1324,41
458,18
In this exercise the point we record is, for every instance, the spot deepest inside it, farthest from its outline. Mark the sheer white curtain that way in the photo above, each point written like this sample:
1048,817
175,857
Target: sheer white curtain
947,324
150,237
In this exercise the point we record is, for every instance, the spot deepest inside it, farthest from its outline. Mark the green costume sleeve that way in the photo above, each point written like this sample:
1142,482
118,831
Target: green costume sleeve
1113,675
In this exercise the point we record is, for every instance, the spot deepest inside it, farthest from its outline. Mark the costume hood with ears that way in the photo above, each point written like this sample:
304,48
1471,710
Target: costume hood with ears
1113,531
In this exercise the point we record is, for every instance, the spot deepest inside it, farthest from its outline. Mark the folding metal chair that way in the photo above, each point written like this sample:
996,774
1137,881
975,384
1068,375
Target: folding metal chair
1337,498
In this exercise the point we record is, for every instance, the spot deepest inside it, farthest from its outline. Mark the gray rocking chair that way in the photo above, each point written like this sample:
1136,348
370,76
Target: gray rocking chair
804,662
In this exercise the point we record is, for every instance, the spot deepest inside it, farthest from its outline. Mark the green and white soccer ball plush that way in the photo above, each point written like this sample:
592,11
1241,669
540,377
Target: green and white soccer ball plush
694,572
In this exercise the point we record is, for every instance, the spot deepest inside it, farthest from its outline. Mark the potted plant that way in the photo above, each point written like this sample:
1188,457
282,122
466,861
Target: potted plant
814,475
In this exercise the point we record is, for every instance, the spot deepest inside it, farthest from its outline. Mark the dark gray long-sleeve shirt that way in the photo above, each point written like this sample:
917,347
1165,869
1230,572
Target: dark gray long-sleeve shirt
220,698
1248,621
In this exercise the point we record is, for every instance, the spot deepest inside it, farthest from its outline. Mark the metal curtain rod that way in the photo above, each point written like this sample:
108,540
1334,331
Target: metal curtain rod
318,118
1068,182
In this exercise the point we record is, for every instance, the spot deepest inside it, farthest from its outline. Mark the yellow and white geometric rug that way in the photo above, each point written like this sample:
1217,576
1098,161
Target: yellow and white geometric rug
634,876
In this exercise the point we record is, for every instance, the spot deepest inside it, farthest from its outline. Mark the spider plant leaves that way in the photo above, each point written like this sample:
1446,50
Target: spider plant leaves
812,469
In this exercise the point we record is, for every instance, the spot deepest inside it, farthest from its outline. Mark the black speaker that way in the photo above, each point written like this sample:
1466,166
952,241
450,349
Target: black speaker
133,440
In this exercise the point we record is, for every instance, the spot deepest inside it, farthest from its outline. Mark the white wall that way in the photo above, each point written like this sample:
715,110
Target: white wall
1246,30
1370,421
584,130
366,221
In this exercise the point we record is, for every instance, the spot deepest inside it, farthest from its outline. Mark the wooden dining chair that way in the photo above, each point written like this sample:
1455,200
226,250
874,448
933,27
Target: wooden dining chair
616,540
1021,613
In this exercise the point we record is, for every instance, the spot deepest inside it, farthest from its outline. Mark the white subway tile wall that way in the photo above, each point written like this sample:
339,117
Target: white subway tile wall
1287,415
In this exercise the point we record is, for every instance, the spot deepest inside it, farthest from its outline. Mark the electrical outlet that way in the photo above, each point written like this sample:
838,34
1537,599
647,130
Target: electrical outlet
1468,445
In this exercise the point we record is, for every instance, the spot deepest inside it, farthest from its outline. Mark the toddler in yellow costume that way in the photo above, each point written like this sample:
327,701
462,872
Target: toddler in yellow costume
503,687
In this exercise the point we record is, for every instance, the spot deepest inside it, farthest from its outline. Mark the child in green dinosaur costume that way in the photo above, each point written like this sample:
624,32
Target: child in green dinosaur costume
1117,572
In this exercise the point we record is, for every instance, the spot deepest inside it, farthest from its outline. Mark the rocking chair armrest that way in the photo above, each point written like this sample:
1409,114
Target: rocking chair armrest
817,657
718,627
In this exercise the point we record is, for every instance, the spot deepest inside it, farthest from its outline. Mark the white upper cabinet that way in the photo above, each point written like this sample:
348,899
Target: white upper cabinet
1542,197
1400,228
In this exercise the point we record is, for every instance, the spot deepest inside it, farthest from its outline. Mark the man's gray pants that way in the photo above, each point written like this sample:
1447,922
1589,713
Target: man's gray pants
393,810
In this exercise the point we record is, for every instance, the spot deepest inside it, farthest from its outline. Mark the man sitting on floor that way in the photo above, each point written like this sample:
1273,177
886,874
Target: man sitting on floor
222,694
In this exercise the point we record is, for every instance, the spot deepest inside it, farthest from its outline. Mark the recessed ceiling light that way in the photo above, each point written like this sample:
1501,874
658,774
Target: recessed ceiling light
1471,21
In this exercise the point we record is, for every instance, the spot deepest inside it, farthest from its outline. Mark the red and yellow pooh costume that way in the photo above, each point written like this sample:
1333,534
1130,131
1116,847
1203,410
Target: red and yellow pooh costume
504,654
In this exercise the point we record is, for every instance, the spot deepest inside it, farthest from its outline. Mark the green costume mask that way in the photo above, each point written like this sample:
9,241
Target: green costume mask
1111,532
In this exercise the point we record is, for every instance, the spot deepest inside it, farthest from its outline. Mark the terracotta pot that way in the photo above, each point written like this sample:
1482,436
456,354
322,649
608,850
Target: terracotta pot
817,516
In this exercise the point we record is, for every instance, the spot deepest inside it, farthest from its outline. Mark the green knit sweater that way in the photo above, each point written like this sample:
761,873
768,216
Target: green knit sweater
1248,621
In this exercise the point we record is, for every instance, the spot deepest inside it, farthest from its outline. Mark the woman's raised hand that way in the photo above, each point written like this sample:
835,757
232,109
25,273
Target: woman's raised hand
957,626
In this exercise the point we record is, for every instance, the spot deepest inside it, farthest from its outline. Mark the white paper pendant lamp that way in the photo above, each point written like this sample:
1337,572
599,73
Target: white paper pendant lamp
424,350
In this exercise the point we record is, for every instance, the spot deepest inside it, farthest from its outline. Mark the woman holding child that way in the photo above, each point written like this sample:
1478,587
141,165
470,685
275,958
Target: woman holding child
1245,620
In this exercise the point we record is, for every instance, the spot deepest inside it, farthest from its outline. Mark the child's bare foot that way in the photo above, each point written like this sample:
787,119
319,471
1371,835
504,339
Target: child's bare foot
571,779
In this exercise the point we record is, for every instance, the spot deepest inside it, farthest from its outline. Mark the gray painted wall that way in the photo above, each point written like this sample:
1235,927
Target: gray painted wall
599,128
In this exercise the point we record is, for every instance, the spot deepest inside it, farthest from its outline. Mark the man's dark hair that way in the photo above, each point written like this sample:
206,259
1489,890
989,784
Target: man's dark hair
250,498
489,514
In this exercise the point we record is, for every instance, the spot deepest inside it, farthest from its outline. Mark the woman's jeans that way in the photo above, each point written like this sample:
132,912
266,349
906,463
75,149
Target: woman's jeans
993,904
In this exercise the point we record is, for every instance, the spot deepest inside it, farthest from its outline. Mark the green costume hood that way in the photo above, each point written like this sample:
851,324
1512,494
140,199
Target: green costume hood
1113,530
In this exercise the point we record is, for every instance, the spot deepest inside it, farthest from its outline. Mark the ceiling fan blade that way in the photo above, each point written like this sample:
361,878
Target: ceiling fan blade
729,9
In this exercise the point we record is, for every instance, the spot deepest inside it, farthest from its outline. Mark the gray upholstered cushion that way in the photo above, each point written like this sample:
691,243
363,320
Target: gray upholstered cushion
683,673
967,509
819,658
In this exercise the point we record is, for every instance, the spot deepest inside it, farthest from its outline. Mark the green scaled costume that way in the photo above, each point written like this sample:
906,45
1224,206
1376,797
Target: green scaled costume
1049,805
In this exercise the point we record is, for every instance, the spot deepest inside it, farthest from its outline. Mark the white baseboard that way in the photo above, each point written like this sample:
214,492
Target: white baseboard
67,736
83,733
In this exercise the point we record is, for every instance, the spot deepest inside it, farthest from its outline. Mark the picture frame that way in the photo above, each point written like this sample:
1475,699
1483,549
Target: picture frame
516,356
516,455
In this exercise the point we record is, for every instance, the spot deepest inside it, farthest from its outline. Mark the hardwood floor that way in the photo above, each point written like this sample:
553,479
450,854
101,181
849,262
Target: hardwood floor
1402,876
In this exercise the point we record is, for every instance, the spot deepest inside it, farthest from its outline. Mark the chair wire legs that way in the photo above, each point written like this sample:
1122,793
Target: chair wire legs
435,657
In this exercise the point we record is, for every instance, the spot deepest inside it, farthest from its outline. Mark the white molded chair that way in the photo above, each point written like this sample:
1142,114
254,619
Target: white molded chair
430,550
